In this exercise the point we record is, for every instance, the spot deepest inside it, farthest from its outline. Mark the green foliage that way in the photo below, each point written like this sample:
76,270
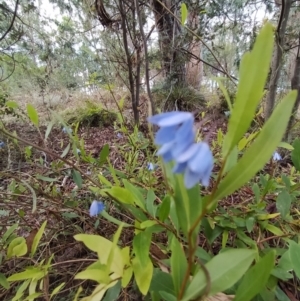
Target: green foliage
182,98
91,115
154,235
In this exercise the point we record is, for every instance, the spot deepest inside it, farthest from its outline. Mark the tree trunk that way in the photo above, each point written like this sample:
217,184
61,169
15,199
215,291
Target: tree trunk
173,62
132,82
277,57
194,67
295,86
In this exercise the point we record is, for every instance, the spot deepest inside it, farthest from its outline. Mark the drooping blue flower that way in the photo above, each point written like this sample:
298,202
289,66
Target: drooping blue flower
276,156
78,151
170,118
176,133
67,130
176,138
96,208
119,135
2,144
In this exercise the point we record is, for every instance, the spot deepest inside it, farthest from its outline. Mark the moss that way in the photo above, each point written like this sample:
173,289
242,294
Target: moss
91,115
181,98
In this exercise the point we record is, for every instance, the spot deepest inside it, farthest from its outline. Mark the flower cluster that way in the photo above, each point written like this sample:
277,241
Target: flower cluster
96,208
176,138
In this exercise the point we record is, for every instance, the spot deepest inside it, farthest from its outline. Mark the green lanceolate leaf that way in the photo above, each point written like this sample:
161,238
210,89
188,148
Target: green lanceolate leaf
224,271
37,238
142,275
141,245
184,13
260,151
178,264
104,154
295,257
256,278
3,281
253,74
17,247
32,114
283,203
296,154
77,178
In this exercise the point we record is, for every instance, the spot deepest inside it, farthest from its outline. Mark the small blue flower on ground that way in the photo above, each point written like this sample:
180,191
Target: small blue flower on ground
2,144
176,138
119,135
67,130
276,156
78,151
96,208
151,166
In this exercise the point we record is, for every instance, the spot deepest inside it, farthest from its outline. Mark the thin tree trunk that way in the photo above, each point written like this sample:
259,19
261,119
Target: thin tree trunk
295,86
277,57
151,107
129,63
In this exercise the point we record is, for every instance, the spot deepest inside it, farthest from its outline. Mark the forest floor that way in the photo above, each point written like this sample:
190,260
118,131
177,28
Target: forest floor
65,206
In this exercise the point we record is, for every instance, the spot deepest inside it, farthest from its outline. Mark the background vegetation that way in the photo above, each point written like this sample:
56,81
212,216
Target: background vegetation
78,80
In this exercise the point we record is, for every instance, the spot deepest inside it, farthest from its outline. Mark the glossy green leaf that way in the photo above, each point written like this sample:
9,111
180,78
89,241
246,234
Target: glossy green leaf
48,130
103,247
253,74
98,275
66,150
184,13
104,154
151,208
122,195
142,275
295,155
231,160
34,199
3,281
178,264
224,269
139,198
113,293
57,289
32,114
147,224
46,179
225,93
37,238
77,178
141,245
295,256
162,282
255,278
164,208
114,220
11,104
17,247
29,273
260,151
9,232
167,297
285,145
283,203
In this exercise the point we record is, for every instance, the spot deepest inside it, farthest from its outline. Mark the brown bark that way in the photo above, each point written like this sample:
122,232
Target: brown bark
295,83
194,67
277,57
173,63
